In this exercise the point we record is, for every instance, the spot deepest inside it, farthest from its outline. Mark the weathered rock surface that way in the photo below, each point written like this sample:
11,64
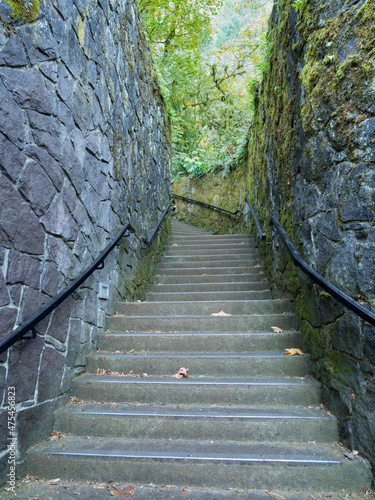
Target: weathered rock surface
84,149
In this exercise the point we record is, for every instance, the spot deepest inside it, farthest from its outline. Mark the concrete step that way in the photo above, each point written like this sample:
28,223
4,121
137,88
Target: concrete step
208,296
191,246
203,271
209,324
233,423
211,263
205,308
224,255
198,390
273,364
201,288
210,278
255,465
202,342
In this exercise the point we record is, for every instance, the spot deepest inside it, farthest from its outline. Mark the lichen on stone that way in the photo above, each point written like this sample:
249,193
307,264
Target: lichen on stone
25,10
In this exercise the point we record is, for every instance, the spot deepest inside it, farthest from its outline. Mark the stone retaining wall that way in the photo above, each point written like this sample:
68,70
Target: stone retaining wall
311,163
84,149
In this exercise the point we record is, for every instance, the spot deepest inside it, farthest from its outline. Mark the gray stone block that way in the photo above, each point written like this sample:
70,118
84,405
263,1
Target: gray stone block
28,89
12,159
47,132
23,269
13,53
348,335
34,424
15,213
37,188
50,165
12,118
4,294
50,375
24,358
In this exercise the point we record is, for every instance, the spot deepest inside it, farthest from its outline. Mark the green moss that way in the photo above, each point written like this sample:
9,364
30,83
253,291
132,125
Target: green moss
27,14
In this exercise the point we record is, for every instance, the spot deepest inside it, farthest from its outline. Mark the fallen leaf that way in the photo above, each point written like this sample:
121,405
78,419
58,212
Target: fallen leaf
174,245
276,329
293,352
182,373
275,495
54,481
126,493
221,313
56,435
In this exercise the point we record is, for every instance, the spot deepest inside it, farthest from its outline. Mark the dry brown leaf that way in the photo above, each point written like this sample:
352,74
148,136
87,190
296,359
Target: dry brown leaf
276,329
54,481
56,435
221,313
126,493
293,352
182,373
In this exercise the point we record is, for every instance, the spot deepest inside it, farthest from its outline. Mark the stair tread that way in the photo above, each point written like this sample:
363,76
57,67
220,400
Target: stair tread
202,355
200,380
193,450
195,411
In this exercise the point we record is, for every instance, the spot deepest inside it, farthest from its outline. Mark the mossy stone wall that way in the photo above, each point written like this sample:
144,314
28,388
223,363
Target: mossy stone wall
84,150
311,164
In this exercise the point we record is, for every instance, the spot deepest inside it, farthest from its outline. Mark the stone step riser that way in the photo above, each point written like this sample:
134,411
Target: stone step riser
242,343
273,366
187,308
210,249
196,324
206,271
301,430
208,256
201,288
208,296
208,264
208,278
174,391
202,473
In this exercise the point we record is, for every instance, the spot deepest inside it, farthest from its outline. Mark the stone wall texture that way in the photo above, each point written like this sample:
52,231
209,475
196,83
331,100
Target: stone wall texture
311,163
227,192
84,149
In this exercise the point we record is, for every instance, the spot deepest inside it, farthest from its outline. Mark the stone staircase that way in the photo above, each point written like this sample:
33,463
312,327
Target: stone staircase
246,417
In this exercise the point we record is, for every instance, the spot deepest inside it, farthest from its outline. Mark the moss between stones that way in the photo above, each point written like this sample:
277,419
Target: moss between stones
26,13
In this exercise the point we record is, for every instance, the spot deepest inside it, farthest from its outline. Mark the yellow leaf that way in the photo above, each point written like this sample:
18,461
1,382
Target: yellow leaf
293,352
236,9
221,313
174,245
276,329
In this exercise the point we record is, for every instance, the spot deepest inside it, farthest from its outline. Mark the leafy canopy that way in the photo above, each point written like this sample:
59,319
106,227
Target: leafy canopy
207,55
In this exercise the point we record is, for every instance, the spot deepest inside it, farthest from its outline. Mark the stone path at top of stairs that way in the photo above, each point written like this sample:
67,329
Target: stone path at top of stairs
246,417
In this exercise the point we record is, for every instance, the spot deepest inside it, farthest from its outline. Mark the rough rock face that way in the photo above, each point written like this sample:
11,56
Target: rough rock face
84,149
311,163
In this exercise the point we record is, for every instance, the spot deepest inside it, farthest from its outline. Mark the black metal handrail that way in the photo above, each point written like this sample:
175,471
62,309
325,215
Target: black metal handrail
322,282
204,204
260,232
32,321
148,240
98,263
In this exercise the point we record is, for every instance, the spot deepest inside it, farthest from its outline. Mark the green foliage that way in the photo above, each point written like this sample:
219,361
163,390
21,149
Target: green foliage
299,4
205,77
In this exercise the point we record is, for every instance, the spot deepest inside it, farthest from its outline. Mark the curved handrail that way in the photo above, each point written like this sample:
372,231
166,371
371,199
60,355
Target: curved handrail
148,240
204,204
322,282
43,312
261,234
